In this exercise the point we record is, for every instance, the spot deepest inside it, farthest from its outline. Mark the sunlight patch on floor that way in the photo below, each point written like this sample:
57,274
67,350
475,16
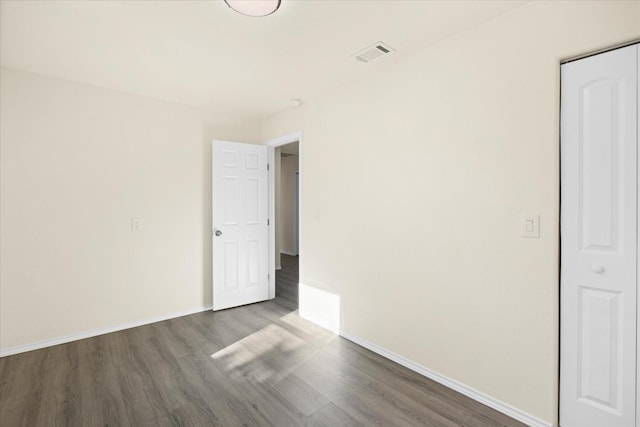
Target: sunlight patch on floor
261,355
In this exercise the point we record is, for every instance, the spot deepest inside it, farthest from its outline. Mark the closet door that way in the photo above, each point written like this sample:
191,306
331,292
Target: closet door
599,120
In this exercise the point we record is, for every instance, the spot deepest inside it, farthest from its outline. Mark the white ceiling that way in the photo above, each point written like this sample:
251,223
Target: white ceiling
203,54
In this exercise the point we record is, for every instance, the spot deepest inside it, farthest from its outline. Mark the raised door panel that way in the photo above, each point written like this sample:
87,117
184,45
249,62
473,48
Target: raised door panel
230,274
600,349
599,163
230,200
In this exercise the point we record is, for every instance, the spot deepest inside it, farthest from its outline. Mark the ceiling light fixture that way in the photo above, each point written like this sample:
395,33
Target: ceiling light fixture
254,7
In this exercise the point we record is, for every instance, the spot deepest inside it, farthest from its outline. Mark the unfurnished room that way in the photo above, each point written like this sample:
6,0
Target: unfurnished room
319,213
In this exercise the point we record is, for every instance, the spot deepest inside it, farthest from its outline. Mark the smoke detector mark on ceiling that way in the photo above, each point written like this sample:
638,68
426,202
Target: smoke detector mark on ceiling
372,52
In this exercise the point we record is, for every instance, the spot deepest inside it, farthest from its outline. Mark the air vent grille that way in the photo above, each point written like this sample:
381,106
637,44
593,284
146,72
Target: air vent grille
373,52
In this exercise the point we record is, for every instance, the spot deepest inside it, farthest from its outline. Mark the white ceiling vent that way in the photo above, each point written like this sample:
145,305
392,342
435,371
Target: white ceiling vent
372,52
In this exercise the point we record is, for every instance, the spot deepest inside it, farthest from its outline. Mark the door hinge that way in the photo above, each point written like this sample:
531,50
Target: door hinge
267,221
267,166
268,277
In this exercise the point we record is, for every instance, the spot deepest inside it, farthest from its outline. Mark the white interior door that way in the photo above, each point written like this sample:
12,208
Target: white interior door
240,211
599,240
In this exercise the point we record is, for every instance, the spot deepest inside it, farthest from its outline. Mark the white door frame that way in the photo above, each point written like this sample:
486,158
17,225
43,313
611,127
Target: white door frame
272,144
296,210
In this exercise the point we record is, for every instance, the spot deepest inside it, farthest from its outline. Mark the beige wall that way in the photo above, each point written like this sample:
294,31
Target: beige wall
414,227
77,162
286,214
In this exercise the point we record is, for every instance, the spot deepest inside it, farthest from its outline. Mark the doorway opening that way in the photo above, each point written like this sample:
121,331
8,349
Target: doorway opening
285,191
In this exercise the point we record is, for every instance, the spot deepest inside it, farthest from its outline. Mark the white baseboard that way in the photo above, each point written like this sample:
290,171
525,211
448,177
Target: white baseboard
476,395
288,253
95,332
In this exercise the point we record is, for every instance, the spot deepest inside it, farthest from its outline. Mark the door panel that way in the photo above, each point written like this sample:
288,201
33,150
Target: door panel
599,240
599,322
229,200
230,272
599,162
240,251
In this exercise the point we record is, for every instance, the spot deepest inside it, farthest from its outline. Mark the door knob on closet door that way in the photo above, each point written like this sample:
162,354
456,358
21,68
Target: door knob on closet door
597,269
217,233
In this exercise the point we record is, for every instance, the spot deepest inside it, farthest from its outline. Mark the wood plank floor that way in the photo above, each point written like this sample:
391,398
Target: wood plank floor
257,365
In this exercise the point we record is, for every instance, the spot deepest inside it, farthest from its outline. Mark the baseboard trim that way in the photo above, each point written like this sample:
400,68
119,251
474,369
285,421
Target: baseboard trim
476,395
288,253
95,332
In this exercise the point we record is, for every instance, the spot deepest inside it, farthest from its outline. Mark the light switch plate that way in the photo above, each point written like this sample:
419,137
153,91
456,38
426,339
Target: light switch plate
530,225
136,223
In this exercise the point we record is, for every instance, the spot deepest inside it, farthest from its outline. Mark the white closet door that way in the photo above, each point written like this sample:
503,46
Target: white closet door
599,240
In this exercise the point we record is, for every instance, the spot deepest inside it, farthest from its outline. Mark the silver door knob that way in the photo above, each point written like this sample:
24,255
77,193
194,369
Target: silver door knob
218,233
598,269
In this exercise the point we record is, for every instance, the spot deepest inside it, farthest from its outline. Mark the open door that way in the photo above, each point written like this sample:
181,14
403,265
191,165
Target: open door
240,224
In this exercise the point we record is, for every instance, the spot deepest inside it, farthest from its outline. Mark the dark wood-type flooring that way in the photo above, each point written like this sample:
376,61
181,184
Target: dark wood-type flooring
257,365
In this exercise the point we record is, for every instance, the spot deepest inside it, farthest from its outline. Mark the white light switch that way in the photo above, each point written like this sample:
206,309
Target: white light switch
530,225
136,223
